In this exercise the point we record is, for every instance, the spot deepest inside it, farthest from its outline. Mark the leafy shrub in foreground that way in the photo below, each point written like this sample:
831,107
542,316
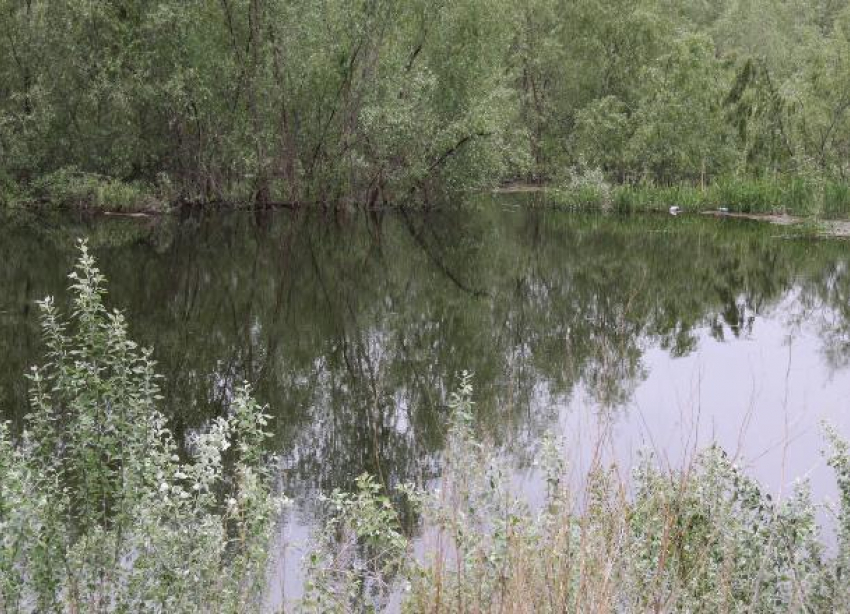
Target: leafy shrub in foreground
98,512
702,539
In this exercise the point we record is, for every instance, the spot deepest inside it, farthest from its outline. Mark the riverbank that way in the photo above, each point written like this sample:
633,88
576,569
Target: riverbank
789,199
79,191
795,196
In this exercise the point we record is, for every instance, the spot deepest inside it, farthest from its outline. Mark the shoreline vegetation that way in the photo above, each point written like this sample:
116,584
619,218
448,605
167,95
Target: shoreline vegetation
797,197
102,510
137,106
788,200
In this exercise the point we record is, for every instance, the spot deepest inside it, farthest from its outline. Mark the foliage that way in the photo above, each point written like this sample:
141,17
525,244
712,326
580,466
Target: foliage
587,188
359,551
272,101
703,538
69,188
256,100
98,511
679,129
795,195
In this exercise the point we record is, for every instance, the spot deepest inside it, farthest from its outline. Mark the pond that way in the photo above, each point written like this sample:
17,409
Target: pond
617,333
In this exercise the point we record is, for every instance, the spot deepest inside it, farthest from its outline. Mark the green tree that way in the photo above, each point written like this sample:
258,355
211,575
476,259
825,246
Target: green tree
680,129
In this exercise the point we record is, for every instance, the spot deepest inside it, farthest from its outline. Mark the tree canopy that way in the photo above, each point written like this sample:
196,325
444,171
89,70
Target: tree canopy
371,100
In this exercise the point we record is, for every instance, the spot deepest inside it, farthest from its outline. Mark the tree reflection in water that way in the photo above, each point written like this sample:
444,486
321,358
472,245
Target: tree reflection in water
353,328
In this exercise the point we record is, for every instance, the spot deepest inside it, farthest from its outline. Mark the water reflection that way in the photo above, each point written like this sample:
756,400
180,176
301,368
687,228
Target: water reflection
353,328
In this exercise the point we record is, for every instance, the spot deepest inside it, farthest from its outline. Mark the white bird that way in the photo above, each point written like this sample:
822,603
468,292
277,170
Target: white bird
724,209
674,210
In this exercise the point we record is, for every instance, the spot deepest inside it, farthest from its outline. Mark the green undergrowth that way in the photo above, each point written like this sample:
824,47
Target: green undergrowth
811,197
101,509
70,188
798,196
706,538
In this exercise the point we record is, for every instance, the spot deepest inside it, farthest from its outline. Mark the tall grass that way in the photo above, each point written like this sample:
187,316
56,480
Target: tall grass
72,189
705,538
793,195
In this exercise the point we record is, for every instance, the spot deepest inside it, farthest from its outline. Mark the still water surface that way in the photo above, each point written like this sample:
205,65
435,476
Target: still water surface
640,332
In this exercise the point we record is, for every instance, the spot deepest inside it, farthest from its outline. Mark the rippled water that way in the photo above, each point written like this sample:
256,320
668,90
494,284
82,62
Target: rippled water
618,333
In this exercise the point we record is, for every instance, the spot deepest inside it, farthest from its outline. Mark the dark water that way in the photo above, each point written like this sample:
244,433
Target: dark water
656,331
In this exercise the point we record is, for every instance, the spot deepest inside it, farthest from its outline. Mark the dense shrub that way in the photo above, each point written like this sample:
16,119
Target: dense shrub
98,511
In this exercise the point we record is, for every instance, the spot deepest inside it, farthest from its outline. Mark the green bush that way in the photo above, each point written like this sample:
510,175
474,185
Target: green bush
98,512
71,188
705,538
